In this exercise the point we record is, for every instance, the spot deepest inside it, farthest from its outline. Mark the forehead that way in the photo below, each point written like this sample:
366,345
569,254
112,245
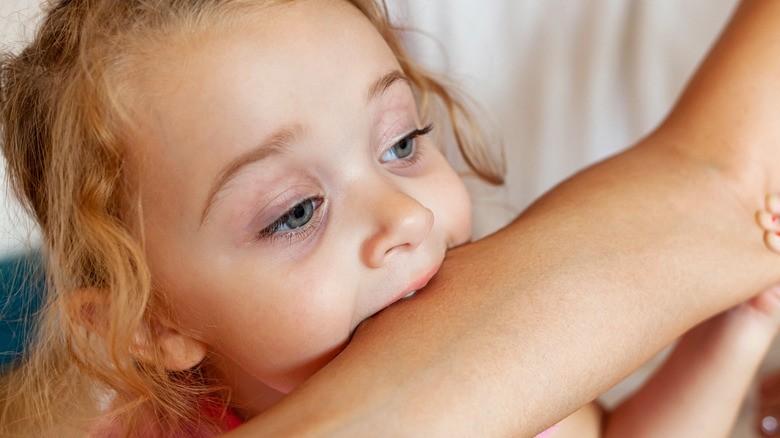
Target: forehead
301,62
273,40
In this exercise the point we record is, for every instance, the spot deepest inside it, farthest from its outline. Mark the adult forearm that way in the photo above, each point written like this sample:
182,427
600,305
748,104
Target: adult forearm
521,328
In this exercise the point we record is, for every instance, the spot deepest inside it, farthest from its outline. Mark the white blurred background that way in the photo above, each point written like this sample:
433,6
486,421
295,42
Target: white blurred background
563,83
17,21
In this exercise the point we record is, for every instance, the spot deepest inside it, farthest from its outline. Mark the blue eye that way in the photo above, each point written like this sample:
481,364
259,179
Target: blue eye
402,149
297,217
405,147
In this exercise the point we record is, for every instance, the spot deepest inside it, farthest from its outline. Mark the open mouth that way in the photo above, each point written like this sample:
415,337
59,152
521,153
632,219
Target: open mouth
421,282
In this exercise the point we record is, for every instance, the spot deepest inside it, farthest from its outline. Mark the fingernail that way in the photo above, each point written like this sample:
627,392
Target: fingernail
767,220
773,203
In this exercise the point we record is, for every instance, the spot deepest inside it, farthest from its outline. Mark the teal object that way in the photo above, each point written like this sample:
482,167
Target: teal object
22,286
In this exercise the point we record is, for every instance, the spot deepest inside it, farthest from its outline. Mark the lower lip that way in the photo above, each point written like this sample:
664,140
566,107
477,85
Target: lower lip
419,284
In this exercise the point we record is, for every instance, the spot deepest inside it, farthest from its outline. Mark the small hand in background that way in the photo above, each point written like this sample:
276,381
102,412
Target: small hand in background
769,220
767,305
769,405
769,388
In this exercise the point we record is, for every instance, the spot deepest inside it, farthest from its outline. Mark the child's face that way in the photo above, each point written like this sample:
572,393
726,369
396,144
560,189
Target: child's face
282,204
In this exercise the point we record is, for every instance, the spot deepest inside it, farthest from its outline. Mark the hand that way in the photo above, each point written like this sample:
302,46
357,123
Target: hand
767,303
769,221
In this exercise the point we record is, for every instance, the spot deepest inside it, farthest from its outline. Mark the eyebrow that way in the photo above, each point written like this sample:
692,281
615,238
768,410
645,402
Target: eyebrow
275,144
384,82
282,139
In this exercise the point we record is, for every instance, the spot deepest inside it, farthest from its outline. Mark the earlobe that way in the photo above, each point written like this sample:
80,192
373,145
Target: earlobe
176,351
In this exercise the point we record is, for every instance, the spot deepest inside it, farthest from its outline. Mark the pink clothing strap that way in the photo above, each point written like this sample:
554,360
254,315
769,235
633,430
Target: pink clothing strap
547,432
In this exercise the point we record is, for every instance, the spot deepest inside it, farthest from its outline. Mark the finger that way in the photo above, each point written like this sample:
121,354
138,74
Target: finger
773,204
768,221
772,240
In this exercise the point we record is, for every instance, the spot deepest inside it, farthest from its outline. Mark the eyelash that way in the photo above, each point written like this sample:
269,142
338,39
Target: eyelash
416,154
272,232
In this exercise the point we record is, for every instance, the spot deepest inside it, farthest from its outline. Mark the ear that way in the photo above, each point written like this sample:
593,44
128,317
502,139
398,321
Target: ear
89,307
175,350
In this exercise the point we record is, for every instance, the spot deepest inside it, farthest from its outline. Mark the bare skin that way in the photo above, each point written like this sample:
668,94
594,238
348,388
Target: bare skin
523,327
700,388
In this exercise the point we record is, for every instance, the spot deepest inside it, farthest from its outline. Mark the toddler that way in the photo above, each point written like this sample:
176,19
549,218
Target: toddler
227,189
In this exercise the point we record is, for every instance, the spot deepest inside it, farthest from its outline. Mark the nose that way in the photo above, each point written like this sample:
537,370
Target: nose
399,222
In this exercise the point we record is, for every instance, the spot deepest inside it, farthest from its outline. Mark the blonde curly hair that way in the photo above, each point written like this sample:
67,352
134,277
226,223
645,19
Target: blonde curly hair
65,106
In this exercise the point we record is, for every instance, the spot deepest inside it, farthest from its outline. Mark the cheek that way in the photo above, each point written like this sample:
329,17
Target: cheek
318,316
459,214
280,326
450,203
